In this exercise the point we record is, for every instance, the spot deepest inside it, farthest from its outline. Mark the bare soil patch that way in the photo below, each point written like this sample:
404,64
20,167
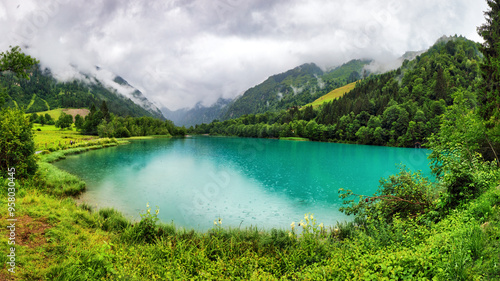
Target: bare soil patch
74,111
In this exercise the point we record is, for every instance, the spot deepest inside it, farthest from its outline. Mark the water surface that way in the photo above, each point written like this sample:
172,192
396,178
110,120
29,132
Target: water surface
268,183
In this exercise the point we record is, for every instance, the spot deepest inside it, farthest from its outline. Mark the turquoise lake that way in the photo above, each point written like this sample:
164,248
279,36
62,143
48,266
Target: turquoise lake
246,182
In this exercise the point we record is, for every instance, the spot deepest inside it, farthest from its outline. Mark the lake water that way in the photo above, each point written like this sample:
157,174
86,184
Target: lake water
245,182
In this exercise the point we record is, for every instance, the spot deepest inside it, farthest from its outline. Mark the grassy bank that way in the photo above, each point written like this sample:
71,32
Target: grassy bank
294,139
58,240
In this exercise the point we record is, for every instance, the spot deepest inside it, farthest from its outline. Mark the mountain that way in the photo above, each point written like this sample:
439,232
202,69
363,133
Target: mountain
401,107
198,114
295,87
137,97
44,92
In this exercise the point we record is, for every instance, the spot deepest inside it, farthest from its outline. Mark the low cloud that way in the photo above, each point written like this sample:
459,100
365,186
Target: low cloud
182,52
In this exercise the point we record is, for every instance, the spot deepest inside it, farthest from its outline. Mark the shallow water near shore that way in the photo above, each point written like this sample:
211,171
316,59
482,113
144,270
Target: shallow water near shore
245,182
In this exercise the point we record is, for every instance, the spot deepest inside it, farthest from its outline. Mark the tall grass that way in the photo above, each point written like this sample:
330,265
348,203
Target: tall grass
59,182
50,157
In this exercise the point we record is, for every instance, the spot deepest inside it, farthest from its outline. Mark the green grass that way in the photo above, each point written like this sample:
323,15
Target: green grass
334,94
32,101
59,240
295,139
148,137
49,139
50,157
54,113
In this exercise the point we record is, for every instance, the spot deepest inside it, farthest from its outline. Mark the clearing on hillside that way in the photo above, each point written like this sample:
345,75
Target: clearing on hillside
75,111
55,113
334,94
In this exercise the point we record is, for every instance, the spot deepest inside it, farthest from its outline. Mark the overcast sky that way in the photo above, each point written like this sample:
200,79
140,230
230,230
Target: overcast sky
182,52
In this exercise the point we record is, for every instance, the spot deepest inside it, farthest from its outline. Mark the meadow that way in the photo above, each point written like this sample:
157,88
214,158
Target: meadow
55,113
48,137
334,94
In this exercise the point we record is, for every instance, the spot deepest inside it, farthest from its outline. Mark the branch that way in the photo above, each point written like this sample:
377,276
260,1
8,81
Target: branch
391,198
494,152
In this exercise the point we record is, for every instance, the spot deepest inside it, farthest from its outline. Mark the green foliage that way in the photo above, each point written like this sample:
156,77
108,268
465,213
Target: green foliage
146,230
296,87
17,147
398,108
79,121
16,62
404,195
112,220
490,70
43,92
64,121
58,182
456,156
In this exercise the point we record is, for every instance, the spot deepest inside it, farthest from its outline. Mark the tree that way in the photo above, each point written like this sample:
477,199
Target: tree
404,195
441,87
105,112
79,121
42,120
92,120
17,148
455,159
33,117
64,121
48,119
489,93
16,62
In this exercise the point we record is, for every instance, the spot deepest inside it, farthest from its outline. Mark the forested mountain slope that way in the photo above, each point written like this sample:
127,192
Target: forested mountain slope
294,87
397,108
43,92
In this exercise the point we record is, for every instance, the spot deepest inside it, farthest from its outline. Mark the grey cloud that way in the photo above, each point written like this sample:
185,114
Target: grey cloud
180,52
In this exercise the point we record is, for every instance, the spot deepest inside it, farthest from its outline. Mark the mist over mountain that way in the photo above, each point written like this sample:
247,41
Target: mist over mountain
45,92
198,114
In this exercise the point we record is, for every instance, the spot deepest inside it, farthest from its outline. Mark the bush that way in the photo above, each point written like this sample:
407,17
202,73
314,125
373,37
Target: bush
17,148
405,195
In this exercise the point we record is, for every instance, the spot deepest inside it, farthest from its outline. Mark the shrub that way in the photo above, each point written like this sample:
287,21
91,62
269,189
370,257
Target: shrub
17,148
405,194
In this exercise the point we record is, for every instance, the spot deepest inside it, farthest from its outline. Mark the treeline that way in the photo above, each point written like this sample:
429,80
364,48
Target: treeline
398,108
105,124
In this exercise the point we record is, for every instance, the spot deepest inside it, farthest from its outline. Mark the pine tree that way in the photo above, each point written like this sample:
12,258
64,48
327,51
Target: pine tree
441,87
105,111
489,93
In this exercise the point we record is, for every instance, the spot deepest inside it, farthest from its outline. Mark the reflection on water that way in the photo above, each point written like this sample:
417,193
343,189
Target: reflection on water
259,182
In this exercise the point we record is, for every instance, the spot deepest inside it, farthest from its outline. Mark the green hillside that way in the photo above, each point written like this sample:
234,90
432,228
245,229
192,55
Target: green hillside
295,87
43,92
398,108
334,94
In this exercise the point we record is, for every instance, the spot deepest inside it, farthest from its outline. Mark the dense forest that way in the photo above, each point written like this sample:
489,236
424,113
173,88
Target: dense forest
398,108
107,125
43,92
